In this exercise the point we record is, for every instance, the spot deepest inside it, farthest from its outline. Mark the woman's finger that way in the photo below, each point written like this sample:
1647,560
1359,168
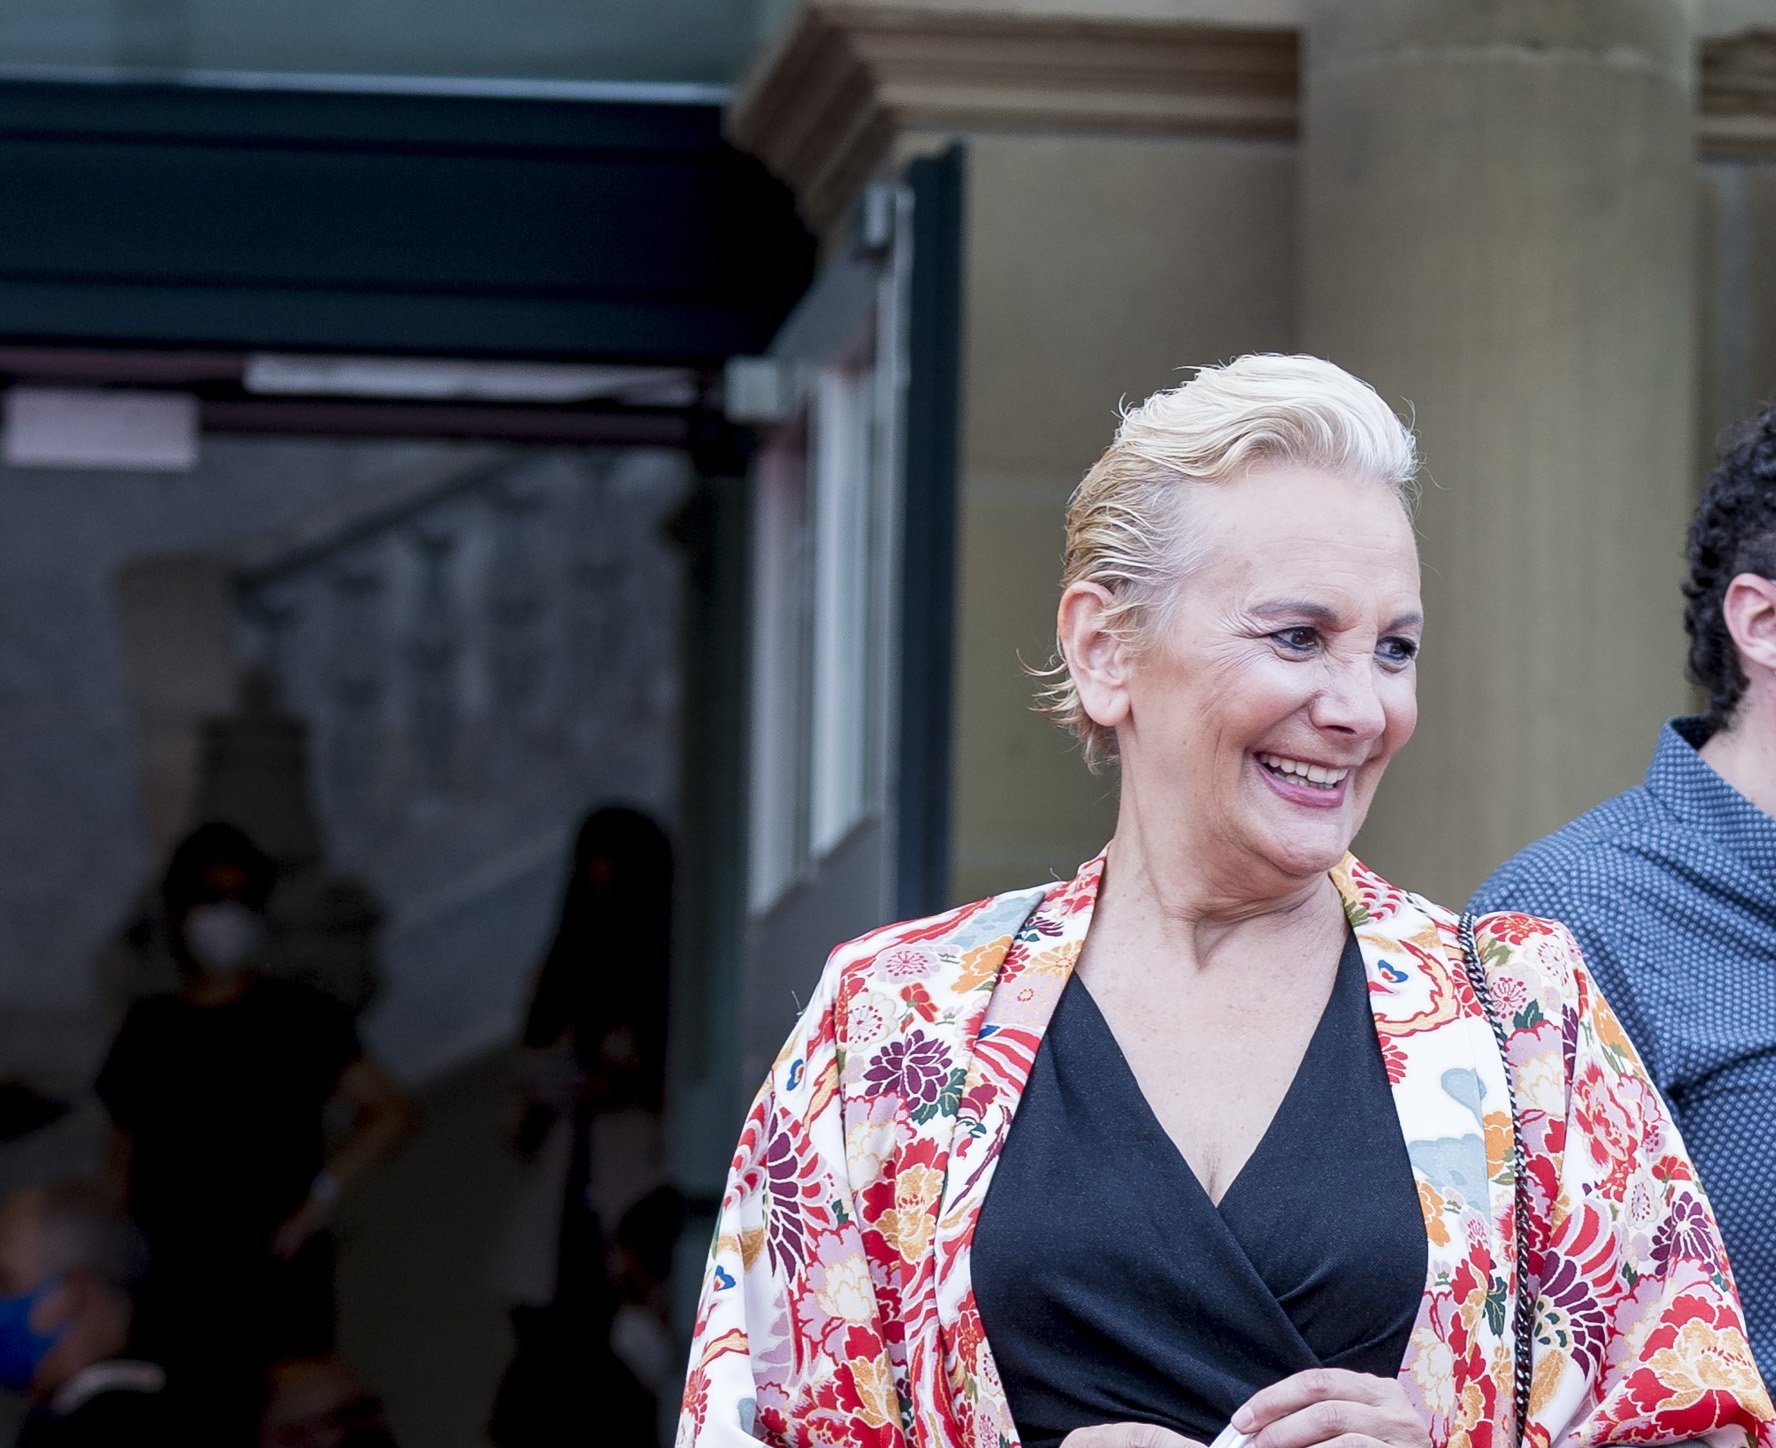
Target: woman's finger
1320,1424
1327,1407
1127,1435
1317,1385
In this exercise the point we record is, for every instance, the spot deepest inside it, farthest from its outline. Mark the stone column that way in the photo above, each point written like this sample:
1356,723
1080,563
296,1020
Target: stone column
1497,200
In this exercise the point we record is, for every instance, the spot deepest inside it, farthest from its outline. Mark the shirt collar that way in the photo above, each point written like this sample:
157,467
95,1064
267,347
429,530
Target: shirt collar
1681,780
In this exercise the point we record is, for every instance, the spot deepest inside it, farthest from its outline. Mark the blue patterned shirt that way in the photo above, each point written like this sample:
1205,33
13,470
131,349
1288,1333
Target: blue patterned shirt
1671,891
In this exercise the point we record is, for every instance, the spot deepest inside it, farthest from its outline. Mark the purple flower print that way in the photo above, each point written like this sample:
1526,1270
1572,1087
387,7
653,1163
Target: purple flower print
915,1067
1684,1236
785,1219
1567,1302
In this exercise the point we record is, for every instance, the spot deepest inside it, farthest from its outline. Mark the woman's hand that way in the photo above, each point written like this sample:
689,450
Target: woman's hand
1127,1435
1327,1405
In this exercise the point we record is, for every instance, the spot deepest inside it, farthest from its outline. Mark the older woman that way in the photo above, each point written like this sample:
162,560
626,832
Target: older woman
1226,1132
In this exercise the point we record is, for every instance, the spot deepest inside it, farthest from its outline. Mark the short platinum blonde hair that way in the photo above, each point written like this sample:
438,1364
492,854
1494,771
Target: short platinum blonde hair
1128,520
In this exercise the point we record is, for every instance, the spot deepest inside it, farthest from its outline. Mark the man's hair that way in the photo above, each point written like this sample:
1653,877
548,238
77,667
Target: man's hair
1733,532
1128,524
83,1228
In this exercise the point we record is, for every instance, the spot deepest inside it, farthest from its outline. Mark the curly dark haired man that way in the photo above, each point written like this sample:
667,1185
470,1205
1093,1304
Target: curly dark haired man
1671,887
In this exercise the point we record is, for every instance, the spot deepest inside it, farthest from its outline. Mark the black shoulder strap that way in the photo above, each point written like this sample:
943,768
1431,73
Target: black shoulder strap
1523,1309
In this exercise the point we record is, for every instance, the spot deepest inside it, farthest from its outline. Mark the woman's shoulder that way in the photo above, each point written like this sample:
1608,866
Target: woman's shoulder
1531,946
920,949
1545,996
1539,953
925,971
913,976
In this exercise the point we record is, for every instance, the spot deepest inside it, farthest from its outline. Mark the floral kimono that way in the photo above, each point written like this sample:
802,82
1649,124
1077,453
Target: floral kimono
838,1306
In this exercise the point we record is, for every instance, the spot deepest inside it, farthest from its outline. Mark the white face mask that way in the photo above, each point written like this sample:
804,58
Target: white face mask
225,938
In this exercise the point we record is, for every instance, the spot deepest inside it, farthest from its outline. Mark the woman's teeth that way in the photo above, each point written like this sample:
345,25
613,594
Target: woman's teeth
1303,772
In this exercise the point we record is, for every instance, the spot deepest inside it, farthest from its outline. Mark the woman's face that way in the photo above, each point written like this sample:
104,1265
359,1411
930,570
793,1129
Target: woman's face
1262,715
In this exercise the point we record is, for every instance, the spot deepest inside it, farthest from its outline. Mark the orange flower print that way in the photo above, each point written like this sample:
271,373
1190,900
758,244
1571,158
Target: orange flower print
1430,1203
981,964
1707,1362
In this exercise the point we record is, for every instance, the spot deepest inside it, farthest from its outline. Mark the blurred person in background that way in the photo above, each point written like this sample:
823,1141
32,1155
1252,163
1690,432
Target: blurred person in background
70,1264
1668,885
218,1093
322,1403
593,1078
216,860
641,1335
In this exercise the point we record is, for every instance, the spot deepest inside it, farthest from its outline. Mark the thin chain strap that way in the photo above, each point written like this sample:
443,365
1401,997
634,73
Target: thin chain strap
1523,1310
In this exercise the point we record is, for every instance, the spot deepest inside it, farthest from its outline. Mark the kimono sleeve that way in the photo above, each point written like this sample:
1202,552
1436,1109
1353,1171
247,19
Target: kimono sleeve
1639,1336
789,1343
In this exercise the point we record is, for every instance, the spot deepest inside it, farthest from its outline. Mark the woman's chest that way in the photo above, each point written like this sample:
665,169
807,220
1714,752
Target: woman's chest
1214,1062
1113,1288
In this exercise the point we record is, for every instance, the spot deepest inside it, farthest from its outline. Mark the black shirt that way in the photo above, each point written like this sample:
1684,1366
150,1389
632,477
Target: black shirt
1113,1290
225,1106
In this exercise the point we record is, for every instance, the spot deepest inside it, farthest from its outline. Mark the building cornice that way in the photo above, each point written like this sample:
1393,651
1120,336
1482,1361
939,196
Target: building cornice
845,78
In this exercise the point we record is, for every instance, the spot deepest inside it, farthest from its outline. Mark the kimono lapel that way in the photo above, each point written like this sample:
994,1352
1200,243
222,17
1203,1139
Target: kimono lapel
1037,963
1448,1087
939,977
1453,1102
1034,969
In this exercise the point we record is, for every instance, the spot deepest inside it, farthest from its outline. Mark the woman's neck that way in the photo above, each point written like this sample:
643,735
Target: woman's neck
1174,906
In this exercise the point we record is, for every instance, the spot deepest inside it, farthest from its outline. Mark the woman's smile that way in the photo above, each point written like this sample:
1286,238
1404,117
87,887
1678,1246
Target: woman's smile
1317,786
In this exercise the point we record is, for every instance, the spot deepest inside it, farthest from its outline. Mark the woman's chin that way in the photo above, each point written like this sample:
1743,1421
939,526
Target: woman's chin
1310,866
1302,854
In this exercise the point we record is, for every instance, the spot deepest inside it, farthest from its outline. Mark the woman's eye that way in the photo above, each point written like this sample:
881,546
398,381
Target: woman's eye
1297,640
1398,651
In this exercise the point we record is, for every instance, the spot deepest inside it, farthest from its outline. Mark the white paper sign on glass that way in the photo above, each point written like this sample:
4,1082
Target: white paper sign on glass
106,429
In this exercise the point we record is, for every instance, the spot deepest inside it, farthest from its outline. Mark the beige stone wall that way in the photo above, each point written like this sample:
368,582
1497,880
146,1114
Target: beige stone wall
1736,312
1096,268
1500,200
1067,314
1542,222
1758,294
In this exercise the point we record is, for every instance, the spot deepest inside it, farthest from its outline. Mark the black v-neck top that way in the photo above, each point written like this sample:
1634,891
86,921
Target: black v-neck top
1112,1289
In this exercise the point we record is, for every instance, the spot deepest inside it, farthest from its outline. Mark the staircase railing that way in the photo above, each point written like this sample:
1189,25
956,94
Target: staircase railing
478,661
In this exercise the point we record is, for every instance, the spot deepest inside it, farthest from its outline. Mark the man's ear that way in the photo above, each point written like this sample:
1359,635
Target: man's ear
1749,609
1098,656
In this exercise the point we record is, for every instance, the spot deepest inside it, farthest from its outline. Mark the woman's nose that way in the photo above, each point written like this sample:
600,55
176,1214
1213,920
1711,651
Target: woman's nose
1350,703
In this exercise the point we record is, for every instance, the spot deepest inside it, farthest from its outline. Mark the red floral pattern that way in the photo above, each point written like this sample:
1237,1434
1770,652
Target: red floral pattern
838,1310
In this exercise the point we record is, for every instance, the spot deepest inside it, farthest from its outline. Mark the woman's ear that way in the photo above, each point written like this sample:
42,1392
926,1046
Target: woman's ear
1098,657
1749,609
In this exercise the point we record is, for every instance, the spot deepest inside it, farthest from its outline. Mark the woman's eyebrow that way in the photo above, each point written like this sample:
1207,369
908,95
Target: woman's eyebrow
1325,614
1297,608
